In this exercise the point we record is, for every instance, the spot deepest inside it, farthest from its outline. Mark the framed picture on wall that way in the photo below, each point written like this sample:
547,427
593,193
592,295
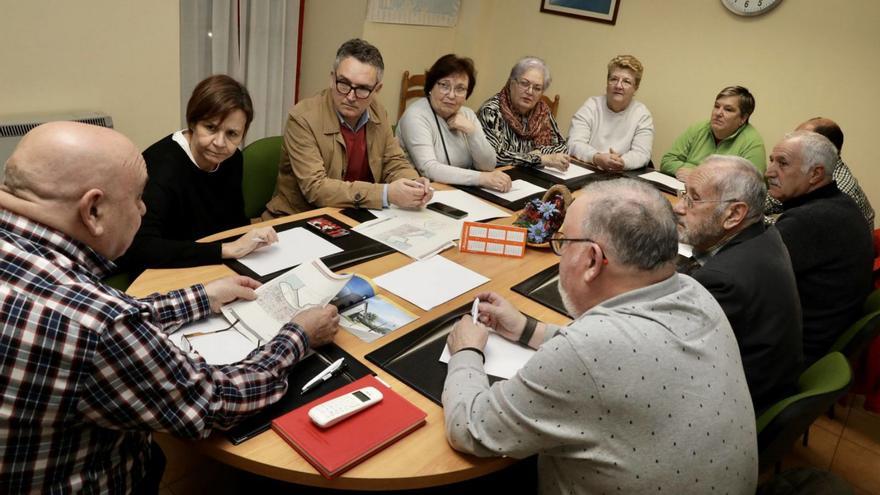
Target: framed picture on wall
593,10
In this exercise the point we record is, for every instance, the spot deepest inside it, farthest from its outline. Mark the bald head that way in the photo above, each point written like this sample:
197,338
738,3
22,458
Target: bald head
825,127
77,178
61,160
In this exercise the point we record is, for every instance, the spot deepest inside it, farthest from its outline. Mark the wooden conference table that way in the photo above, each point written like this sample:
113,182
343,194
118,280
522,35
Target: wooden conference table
421,459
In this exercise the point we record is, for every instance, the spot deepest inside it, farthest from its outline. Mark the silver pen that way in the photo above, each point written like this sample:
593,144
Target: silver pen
323,376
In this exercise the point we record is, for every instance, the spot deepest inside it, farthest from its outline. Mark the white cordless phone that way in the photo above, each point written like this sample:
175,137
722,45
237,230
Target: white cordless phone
335,410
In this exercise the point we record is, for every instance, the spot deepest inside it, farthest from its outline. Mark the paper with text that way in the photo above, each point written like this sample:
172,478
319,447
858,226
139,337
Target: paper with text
416,233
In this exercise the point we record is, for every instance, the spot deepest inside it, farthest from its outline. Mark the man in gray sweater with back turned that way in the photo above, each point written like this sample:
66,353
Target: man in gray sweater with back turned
643,392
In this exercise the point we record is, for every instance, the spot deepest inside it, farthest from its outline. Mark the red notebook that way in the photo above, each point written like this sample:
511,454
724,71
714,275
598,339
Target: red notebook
336,449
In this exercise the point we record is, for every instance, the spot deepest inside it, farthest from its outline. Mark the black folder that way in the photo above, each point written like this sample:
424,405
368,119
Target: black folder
301,373
543,288
356,248
415,358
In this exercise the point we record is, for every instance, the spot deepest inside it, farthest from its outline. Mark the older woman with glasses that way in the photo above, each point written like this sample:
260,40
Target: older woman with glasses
613,131
443,138
519,124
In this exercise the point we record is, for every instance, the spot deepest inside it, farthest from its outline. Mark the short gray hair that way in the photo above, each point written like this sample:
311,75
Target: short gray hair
739,180
815,149
363,52
634,220
526,63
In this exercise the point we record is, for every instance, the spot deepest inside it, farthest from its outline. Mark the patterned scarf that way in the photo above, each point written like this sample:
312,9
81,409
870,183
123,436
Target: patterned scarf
540,131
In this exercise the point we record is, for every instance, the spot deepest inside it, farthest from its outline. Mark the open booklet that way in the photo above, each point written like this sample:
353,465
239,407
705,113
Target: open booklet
279,300
418,234
366,314
249,324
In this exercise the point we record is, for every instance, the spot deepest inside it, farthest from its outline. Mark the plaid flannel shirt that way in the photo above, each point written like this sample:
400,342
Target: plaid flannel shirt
86,371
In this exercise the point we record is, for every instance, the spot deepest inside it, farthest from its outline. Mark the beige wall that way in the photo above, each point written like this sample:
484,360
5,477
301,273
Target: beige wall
690,48
122,57
326,25
116,56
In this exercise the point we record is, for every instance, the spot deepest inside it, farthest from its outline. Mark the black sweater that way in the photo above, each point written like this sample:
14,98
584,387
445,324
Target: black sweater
832,255
184,203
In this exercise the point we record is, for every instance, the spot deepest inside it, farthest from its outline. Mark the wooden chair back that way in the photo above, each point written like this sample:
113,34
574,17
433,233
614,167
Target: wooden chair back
412,86
553,104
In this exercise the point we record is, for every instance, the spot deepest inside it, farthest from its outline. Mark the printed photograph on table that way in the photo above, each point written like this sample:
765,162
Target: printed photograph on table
591,10
365,314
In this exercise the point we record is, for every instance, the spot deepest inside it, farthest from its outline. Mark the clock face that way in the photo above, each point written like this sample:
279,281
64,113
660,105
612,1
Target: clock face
750,7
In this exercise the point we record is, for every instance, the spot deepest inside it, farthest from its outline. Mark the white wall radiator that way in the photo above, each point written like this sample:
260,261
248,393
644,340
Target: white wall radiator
12,128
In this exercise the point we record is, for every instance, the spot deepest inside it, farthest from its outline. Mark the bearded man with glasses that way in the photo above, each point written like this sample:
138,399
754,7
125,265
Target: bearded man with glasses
643,392
746,266
339,149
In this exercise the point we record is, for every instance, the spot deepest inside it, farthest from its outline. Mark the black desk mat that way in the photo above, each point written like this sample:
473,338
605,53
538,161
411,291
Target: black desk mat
415,358
543,288
302,372
514,173
356,248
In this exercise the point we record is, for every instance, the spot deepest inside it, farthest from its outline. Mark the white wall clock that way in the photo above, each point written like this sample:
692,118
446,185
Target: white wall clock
750,7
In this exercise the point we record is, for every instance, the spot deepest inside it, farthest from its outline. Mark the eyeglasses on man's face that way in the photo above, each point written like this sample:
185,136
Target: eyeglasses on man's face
360,92
690,202
526,85
558,242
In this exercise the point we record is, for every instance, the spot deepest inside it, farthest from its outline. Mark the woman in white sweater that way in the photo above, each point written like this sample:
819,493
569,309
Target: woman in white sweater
613,131
444,139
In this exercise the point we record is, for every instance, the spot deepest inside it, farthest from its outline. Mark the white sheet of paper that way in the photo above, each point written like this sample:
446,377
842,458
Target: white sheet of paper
478,210
294,246
518,190
686,250
664,179
503,357
223,347
430,282
573,172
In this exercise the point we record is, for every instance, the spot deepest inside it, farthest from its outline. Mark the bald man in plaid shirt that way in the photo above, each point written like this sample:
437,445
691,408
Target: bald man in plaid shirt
86,371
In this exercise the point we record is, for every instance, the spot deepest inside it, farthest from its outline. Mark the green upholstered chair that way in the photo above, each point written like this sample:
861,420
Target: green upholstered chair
260,173
872,303
858,335
818,388
119,281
